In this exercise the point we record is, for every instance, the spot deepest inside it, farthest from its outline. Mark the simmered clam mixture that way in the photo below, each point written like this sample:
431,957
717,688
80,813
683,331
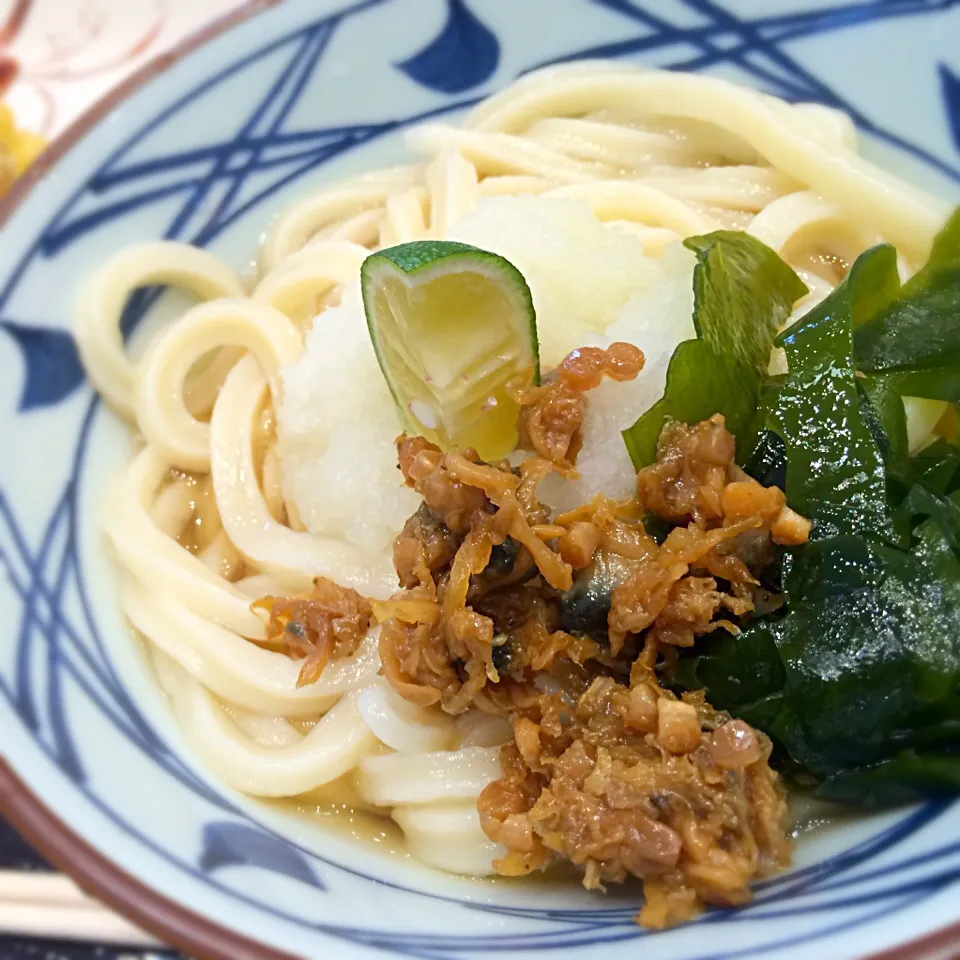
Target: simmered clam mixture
562,624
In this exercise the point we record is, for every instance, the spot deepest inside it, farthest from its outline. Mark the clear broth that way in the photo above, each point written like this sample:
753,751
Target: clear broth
338,809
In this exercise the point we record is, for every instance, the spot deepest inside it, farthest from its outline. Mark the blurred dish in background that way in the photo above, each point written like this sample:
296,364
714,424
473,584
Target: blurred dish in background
59,57
71,53
19,147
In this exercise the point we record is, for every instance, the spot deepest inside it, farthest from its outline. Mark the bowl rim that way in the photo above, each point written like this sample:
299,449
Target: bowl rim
37,823
170,922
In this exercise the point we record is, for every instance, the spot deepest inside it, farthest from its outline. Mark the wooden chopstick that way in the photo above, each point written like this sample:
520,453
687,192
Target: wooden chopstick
27,887
54,907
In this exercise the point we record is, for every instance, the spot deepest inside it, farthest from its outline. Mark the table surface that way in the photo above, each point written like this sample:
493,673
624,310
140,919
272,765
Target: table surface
67,55
16,855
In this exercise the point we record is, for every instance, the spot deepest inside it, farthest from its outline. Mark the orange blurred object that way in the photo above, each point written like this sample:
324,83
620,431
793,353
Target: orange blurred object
18,147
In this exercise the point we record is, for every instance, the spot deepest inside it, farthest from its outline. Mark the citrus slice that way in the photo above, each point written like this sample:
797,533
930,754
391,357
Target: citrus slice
452,325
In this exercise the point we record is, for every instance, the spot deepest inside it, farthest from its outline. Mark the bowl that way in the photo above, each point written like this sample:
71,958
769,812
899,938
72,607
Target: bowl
205,145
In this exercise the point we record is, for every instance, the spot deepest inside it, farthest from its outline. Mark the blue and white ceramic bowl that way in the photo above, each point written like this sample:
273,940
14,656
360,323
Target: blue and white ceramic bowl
205,147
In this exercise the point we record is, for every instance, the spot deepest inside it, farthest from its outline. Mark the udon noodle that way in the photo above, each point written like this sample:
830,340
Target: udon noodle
201,521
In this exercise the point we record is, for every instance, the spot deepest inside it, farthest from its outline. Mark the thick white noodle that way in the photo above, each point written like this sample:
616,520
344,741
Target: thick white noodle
331,748
155,559
778,132
235,670
452,190
394,778
402,726
267,336
448,836
298,225
478,729
97,325
405,220
267,731
658,155
298,282
622,200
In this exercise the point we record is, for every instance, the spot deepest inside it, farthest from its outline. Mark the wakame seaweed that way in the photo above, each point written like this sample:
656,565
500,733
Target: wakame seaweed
916,327
857,677
835,473
864,665
743,293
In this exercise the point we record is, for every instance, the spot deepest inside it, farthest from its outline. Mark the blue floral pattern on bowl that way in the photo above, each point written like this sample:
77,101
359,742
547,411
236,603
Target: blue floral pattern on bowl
206,153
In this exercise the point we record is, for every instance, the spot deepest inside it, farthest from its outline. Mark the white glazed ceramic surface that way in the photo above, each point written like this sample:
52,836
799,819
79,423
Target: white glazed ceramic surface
306,92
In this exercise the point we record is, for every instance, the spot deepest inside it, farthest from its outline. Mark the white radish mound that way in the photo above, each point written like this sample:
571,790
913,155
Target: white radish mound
656,321
337,427
591,284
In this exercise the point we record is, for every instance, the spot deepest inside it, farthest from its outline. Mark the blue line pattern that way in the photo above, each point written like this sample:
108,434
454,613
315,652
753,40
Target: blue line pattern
51,362
226,844
462,56
59,653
